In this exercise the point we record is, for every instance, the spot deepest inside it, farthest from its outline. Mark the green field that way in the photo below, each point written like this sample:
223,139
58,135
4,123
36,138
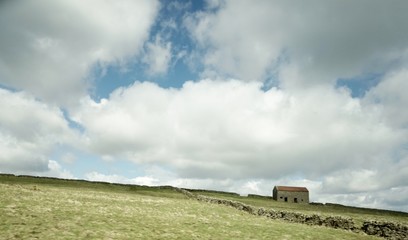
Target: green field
43,208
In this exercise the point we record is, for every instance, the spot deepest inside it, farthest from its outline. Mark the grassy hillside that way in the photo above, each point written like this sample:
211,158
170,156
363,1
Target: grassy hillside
59,209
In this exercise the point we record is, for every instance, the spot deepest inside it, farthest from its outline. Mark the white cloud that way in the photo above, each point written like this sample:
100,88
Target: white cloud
213,4
234,130
392,199
55,170
352,181
29,129
251,187
366,180
50,47
391,96
113,178
157,56
254,41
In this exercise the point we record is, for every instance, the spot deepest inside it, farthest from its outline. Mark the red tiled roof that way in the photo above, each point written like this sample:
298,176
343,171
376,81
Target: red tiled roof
291,189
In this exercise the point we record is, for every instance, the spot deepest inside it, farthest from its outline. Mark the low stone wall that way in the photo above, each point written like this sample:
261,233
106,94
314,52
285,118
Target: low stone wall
331,221
385,229
259,196
234,204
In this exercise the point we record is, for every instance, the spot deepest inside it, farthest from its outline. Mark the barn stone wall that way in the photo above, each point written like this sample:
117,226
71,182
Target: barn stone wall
292,197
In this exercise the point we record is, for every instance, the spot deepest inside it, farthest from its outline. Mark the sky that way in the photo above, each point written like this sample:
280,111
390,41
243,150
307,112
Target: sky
231,95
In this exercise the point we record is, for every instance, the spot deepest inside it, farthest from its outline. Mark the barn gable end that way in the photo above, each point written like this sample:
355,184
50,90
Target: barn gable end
291,194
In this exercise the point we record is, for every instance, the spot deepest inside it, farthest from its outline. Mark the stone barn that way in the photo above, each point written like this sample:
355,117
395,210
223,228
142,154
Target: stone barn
291,194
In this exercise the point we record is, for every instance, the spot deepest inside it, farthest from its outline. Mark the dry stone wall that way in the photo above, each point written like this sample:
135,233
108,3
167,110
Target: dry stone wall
331,221
386,230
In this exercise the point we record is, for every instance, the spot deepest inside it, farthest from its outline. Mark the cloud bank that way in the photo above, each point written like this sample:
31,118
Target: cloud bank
235,130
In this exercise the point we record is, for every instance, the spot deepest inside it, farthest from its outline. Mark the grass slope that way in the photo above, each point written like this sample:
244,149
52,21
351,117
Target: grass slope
40,208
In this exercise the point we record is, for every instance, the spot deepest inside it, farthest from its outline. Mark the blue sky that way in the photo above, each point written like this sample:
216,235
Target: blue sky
169,11
227,95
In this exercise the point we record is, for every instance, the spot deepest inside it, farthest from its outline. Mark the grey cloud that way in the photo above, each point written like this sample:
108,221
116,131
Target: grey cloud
23,164
390,96
392,199
49,47
323,40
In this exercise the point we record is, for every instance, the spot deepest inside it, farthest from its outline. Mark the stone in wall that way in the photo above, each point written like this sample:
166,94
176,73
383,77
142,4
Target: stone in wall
387,230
